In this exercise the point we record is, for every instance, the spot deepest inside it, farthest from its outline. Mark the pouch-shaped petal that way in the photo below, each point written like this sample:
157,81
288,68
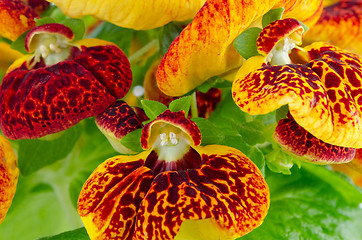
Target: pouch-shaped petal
225,198
48,99
140,15
9,173
340,25
205,47
294,139
110,199
324,95
15,18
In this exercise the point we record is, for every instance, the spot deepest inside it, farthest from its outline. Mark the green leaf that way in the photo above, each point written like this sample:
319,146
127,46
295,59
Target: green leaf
122,37
179,104
35,154
133,140
306,28
279,162
210,134
153,108
271,16
245,43
257,157
76,25
19,43
168,34
44,20
216,82
77,234
252,132
304,206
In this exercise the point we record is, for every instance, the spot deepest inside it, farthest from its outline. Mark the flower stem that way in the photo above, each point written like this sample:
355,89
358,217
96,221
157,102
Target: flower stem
136,57
194,111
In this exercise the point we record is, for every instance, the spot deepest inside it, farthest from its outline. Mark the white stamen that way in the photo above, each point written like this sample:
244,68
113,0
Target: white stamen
173,138
163,138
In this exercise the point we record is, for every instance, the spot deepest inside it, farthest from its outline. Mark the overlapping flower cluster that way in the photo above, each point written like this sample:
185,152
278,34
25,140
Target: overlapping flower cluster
175,188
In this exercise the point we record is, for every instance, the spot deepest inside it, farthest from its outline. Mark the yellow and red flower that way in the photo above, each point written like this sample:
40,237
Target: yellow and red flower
61,83
175,189
322,93
205,47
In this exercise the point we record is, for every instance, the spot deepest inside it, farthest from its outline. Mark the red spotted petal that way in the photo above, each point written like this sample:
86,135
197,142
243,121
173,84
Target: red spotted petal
227,188
324,95
277,31
177,119
340,25
353,169
9,173
116,122
45,100
38,5
15,18
123,200
298,141
109,200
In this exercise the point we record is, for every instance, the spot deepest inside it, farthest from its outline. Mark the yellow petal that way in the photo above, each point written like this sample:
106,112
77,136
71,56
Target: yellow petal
9,173
140,15
205,47
7,56
340,25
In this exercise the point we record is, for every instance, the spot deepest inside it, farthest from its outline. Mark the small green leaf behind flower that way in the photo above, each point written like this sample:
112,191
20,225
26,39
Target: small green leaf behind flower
245,43
271,16
77,234
153,108
179,104
133,140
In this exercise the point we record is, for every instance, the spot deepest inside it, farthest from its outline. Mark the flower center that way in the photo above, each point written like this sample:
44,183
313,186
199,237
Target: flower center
171,150
51,48
279,55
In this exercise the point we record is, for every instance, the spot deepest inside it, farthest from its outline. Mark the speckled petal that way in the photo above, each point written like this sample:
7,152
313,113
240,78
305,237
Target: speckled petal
110,198
324,95
276,31
176,119
140,15
293,138
340,25
205,47
45,100
15,18
228,188
110,66
9,173
116,122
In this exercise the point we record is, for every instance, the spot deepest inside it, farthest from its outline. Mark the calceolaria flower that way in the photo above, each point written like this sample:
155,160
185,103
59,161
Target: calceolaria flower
321,84
61,83
9,173
140,15
174,189
207,42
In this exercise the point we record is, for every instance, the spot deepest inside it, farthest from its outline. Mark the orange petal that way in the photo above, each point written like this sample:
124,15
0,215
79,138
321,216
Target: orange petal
205,47
323,95
295,139
227,189
9,173
140,15
15,18
109,200
339,25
